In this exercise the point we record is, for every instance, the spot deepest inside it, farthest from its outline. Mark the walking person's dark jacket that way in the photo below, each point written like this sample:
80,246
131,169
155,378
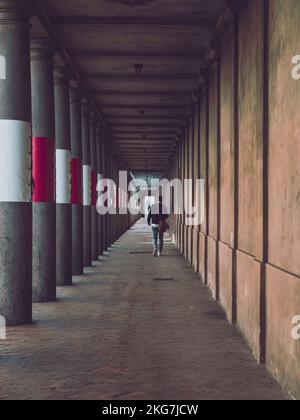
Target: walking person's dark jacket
156,215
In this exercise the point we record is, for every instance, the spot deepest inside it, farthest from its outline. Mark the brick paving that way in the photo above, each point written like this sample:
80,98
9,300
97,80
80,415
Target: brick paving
121,333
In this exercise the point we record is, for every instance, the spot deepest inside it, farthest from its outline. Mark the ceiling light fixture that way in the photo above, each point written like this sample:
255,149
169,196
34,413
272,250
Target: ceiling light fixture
142,113
138,69
132,2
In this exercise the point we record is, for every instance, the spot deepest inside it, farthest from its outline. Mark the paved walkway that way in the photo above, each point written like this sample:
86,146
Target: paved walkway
133,327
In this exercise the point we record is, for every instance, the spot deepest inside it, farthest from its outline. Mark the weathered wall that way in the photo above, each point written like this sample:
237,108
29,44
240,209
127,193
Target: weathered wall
203,148
227,167
227,105
248,136
250,164
191,173
213,152
213,181
203,132
225,277
196,175
284,145
283,281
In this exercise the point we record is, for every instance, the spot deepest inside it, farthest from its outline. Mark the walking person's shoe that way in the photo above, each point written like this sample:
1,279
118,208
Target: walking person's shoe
154,252
159,254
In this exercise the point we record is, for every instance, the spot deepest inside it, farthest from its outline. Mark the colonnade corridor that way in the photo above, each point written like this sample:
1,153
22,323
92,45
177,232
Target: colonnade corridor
183,112
132,327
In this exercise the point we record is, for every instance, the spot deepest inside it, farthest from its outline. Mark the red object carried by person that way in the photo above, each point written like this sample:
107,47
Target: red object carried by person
163,226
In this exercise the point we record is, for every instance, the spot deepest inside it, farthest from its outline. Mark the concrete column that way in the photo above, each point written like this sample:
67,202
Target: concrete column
100,176
43,161
63,178
94,175
77,209
15,165
116,218
183,164
108,168
86,176
105,218
112,235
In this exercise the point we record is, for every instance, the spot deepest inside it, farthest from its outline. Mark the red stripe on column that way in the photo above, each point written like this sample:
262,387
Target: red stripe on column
76,181
43,170
94,187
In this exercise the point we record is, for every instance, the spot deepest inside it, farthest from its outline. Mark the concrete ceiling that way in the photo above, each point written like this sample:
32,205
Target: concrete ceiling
105,39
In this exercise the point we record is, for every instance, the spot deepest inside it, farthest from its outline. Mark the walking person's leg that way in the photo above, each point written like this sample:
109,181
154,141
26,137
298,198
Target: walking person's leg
155,241
161,243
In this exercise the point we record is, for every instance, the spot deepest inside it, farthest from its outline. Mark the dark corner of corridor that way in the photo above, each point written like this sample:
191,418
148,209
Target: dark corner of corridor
149,203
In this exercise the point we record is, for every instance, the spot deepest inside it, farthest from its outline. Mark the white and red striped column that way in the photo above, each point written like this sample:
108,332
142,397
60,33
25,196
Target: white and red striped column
94,176
86,184
63,177
104,170
77,209
109,176
99,178
43,171
15,165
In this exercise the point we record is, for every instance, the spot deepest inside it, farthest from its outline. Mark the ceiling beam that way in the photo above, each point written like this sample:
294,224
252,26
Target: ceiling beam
159,169
142,155
149,164
140,149
206,21
142,106
152,144
153,163
146,117
144,78
197,55
145,125
144,143
147,157
149,149
116,132
135,138
134,166
131,139
120,92
158,146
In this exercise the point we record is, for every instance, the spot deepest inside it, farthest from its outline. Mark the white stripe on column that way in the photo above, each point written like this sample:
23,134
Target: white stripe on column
2,68
99,184
63,176
15,161
86,183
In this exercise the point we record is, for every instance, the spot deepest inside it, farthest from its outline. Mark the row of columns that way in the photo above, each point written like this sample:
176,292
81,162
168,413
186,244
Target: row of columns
53,150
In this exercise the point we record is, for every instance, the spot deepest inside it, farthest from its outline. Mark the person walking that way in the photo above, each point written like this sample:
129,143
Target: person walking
157,217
